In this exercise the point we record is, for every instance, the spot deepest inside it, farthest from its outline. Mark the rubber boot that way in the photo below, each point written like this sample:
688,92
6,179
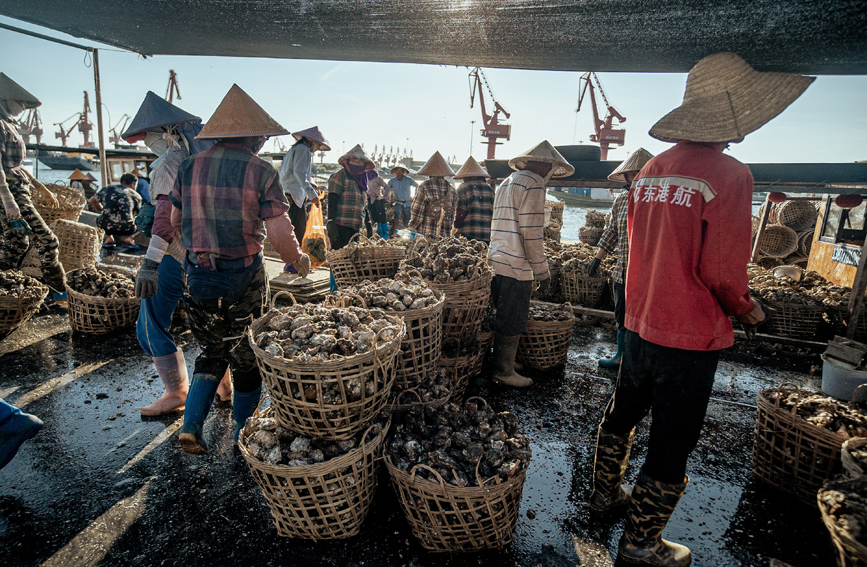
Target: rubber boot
243,406
16,427
650,507
172,370
505,349
609,466
614,361
224,390
199,400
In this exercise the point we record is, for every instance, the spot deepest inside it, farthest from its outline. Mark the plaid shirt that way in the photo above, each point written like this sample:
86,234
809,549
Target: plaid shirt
616,236
350,206
478,200
225,193
12,149
433,209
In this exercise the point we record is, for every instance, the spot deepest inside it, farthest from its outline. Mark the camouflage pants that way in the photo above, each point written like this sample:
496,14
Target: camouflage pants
14,245
221,332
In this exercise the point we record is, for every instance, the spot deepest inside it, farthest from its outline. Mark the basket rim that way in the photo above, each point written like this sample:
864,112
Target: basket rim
10,302
411,314
397,407
444,488
763,402
579,274
353,247
84,298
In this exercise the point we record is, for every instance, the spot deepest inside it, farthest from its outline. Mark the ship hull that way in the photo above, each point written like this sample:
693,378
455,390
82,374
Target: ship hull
68,163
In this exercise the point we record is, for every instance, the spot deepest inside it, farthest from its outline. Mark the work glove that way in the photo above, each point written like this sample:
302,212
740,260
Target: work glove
146,279
544,284
594,265
331,229
9,204
303,266
750,331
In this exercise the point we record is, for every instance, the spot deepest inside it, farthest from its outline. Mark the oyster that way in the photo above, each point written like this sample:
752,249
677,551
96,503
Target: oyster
15,284
98,283
446,260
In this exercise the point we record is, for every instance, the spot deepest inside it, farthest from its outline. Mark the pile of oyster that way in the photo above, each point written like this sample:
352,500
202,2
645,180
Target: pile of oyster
453,348
448,260
456,441
595,219
15,284
316,247
541,312
313,333
436,386
847,506
812,290
404,292
267,441
97,283
577,258
825,412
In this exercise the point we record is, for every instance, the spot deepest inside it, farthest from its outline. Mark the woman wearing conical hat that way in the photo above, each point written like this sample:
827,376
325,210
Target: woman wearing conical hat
20,223
224,199
689,244
475,205
347,196
433,208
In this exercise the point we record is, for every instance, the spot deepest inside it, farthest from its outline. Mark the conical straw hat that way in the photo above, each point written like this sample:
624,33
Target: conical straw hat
154,113
436,166
10,90
726,99
91,177
545,153
403,167
631,165
239,116
357,152
471,168
314,134
78,176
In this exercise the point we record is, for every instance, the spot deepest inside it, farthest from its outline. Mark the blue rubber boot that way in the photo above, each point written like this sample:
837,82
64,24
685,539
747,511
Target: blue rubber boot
614,361
243,406
16,427
198,404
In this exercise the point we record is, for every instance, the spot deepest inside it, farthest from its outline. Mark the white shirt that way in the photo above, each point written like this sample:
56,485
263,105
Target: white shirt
296,172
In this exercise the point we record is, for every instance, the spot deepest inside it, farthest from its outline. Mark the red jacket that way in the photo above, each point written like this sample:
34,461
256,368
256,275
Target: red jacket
689,240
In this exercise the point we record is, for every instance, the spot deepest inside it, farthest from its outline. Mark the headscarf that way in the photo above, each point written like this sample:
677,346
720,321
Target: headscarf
10,108
359,174
165,170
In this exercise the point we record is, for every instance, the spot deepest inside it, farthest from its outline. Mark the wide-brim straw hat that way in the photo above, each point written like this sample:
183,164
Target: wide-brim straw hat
314,134
10,90
726,99
154,113
436,166
238,116
546,153
631,165
471,168
403,167
357,152
77,175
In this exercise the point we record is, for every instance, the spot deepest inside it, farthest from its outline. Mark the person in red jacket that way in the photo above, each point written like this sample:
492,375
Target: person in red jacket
689,234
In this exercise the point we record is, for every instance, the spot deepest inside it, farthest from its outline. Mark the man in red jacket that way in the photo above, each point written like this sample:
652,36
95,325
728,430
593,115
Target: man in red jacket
689,232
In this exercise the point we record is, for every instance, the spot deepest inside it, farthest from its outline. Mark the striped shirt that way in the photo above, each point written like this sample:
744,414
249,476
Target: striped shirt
616,236
350,206
516,249
433,209
224,194
477,199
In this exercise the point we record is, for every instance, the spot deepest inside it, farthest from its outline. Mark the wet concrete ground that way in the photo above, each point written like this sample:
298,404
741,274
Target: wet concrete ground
100,485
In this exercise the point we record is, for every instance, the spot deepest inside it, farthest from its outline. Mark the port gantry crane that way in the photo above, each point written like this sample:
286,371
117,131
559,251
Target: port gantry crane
31,125
83,123
115,132
492,130
172,90
605,134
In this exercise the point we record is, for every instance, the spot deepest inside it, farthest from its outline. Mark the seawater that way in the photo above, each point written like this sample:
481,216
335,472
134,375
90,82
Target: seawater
47,175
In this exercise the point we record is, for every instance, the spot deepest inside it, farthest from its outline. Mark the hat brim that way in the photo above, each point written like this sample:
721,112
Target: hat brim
322,147
561,168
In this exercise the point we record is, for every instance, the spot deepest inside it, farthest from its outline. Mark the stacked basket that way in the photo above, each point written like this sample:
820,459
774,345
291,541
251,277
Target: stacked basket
462,364
79,243
788,237
16,309
545,344
593,228
364,259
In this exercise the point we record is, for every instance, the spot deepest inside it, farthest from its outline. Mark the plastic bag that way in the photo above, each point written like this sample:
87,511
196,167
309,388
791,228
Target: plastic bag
315,244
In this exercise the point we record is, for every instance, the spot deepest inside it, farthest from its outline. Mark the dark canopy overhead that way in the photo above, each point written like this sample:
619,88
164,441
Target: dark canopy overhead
797,36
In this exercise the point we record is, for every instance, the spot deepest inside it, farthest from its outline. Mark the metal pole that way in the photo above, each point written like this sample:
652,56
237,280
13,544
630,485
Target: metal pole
103,165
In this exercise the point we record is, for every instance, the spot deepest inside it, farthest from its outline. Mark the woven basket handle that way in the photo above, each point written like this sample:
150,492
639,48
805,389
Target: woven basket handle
471,398
425,467
356,239
382,330
374,427
49,197
412,391
356,296
779,390
854,398
278,294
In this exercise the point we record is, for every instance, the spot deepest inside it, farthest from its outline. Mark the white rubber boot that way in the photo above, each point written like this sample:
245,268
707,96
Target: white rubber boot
172,369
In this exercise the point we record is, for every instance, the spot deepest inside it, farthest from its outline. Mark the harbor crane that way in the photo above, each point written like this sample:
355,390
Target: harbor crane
605,134
172,89
119,127
492,130
31,125
82,122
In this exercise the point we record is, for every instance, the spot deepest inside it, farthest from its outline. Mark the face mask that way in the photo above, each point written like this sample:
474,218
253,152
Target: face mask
10,108
156,142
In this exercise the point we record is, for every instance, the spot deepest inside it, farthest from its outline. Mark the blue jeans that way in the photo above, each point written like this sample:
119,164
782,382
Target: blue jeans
155,315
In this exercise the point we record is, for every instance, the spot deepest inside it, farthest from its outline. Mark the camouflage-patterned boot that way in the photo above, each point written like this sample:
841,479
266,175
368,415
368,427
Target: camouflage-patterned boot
650,507
612,454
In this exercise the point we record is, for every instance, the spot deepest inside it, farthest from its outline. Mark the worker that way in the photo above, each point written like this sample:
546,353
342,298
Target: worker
16,427
516,252
475,205
117,205
433,208
142,187
689,236
21,225
400,187
170,133
224,198
296,177
377,194
347,196
614,238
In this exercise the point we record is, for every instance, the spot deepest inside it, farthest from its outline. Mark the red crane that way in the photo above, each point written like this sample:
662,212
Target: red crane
84,125
493,129
172,90
31,126
605,134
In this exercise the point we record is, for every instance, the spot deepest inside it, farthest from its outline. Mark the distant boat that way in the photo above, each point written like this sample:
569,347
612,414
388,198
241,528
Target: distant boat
69,163
597,198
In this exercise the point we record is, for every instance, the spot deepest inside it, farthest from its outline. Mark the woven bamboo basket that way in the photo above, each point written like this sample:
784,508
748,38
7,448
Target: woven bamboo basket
552,234
407,400
796,321
796,260
14,311
590,235
324,501
838,316
353,263
545,344
797,215
557,208
850,551
296,388
101,315
581,289
70,203
850,464
805,242
79,243
552,294
465,306
778,241
461,368
791,453
769,262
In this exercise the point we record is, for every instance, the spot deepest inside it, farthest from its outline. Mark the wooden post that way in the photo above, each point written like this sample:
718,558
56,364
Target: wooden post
760,232
103,165
856,298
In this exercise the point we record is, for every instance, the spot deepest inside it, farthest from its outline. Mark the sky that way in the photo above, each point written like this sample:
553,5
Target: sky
424,107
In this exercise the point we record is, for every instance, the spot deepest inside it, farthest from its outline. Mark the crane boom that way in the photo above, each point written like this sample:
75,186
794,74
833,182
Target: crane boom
605,133
493,129
172,90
